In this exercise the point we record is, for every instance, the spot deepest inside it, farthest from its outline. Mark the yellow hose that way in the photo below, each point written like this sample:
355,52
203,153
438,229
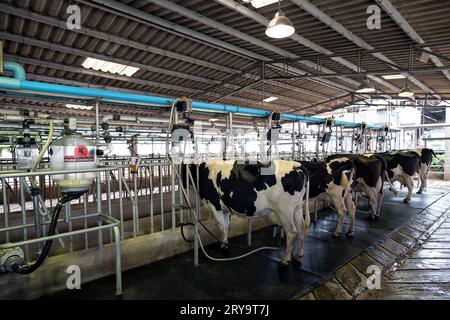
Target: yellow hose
41,154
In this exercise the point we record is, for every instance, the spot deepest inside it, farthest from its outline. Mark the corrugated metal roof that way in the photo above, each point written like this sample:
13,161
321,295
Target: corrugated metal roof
175,64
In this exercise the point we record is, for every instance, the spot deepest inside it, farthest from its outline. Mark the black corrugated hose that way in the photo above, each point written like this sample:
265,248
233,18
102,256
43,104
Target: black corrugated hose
29,268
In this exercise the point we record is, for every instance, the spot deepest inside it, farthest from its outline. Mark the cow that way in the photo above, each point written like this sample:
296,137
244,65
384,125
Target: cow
402,166
332,181
426,156
370,174
278,190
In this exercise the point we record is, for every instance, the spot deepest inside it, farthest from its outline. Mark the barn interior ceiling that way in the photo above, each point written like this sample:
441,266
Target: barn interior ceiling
217,51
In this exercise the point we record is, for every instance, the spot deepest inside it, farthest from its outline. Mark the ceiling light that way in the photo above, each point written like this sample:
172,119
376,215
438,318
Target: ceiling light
366,87
406,92
79,107
394,76
280,26
270,99
262,3
110,67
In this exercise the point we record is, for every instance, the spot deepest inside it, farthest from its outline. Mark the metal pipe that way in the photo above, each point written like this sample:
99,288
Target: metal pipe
5,208
119,173
11,84
118,261
99,208
111,223
17,70
24,211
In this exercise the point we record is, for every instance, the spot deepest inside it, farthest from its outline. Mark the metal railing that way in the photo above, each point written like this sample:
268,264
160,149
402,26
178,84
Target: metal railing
148,201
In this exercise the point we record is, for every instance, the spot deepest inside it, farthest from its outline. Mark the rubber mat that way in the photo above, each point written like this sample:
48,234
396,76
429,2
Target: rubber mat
257,276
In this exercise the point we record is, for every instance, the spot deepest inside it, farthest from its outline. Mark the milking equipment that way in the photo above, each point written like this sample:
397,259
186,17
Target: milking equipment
359,138
273,135
71,153
382,138
324,135
181,129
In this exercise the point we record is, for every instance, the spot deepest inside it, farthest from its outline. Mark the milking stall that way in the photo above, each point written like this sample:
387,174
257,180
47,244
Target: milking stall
224,150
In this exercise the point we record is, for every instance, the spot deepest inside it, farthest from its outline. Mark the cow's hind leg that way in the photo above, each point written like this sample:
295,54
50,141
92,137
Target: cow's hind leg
351,209
338,203
423,178
409,184
287,223
302,230
223,220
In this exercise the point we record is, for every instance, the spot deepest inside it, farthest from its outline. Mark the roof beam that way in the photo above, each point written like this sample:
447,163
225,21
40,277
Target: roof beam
238,34
184,11
26,14
326,19
154,21
409,30
84,53
300,39
94,73
115,39
69,50
89,85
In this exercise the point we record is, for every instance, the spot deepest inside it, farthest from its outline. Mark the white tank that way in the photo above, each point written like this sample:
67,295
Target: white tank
73,152
26,155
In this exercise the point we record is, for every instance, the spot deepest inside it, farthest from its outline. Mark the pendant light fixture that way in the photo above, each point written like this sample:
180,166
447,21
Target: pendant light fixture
406,92
366,87
280,26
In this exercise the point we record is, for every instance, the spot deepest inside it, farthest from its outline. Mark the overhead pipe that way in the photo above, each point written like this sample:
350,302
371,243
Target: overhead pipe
17,70
18,83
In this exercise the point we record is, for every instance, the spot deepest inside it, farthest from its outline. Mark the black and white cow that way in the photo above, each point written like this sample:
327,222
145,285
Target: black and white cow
370,174
279,191
332,181
402,166
426,156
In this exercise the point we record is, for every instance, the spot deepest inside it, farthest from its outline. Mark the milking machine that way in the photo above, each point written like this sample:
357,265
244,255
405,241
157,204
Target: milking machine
71,153
273,135
324,136
382,139
360,139
180,130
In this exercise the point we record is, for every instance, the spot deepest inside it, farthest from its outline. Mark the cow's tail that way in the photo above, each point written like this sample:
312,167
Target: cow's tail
432,152
385,176
306,204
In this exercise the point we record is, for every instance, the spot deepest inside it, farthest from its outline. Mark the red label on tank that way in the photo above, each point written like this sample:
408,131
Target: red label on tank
81,151
80,154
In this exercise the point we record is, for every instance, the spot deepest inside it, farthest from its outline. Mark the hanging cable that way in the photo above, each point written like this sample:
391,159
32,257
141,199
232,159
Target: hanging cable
41,154
29,268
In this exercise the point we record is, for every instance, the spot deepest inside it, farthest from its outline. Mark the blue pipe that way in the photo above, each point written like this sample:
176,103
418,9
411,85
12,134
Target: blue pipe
19,83
17,70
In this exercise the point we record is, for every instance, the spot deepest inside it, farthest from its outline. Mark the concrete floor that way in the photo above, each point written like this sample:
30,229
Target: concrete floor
257,277
424,275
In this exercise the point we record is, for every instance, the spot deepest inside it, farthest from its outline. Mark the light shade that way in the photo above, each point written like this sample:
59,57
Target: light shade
406,92
280,27
394,76
366,87
79,107
110,67
270,99
262,3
